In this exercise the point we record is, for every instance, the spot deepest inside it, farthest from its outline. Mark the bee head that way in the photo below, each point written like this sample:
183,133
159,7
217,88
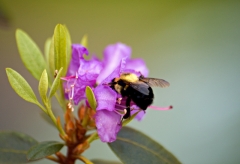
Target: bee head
115,86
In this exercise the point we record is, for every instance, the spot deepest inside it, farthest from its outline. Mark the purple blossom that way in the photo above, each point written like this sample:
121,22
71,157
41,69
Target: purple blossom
106,97
82,73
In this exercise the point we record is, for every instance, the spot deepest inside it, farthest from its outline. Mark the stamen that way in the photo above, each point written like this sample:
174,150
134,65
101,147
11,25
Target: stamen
161,108
70,105
119,100
120,111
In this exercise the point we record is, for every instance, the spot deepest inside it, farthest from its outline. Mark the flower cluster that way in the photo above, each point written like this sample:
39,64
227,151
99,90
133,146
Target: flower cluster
82,73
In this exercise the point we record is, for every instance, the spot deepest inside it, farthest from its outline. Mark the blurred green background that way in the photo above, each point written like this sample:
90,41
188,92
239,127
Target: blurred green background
195,45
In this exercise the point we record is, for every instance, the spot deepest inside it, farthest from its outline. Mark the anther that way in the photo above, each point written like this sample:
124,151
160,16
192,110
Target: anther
119,100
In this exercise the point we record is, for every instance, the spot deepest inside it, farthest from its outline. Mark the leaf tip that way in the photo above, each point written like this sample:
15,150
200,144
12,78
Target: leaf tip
18,32
84,40
91,97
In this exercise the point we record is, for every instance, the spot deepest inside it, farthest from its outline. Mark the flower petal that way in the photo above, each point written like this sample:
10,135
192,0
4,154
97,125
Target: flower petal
140,115
89,69
105,97
87,74
113,54
108,124
137,65
77,53
115,73
79,90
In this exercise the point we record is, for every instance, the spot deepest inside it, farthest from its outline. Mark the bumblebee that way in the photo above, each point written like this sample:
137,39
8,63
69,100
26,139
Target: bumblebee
136,89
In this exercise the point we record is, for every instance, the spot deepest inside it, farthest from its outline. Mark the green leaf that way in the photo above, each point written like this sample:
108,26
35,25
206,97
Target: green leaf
51,63
91,98
21,86
60,48
100,161
84,41
47,46
133,146
69,48
44,149
14,147
55,84
30,54
43,86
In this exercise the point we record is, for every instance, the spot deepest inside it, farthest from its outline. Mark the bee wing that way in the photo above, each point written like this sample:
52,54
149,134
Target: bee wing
141,87
153,82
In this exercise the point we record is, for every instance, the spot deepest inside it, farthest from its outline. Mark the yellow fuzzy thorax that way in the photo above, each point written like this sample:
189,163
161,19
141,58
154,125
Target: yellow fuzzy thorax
129,77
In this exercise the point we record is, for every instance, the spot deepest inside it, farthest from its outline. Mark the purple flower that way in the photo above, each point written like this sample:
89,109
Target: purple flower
111,107
81,73
107,119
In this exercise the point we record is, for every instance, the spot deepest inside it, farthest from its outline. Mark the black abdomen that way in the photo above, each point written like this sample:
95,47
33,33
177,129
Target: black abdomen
140,99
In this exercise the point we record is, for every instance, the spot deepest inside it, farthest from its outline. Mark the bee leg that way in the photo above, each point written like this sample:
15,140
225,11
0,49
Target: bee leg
128,101
141,75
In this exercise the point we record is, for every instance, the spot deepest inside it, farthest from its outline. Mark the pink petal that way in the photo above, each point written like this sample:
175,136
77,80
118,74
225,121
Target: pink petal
137,65
77,53
113,55
105,97
108,124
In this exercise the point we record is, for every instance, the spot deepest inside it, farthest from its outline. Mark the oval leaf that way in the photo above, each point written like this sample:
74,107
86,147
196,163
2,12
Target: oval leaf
60,48
47,46
69,43
44,149
51,63
20,86
91,98
55,84
132,144
43,86
14,147
30,54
